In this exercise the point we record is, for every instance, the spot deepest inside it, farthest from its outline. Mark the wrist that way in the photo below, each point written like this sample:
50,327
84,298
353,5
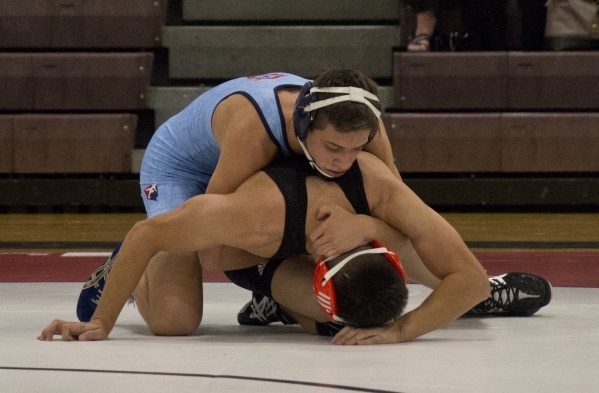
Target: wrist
102,323
397,332
369,227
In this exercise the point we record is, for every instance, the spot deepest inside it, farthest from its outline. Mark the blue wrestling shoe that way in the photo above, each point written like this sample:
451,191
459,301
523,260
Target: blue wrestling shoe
261,311
515,294
93,287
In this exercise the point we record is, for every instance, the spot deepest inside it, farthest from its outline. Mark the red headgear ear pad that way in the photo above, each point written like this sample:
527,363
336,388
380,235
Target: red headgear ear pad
393,258
325,290
324,287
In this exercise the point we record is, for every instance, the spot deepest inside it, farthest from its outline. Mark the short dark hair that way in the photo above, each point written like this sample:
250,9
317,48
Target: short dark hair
346,116
370,291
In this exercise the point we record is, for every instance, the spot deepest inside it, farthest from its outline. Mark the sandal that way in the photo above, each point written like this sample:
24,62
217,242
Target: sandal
420,43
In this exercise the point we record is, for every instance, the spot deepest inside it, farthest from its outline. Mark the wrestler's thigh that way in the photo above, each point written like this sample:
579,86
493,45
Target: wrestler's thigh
291,287
169,295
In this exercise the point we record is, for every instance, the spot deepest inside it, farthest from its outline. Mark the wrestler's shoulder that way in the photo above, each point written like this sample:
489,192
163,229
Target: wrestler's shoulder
371,164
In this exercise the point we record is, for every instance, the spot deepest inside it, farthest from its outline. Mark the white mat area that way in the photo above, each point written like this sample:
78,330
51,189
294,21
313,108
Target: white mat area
554,351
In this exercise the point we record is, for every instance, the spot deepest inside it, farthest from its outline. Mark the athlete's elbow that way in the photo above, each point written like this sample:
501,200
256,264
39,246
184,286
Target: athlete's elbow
480,287
143,235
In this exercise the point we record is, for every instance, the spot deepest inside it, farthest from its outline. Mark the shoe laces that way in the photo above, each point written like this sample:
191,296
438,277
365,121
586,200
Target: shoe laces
263,309
96,299
100,273
502,295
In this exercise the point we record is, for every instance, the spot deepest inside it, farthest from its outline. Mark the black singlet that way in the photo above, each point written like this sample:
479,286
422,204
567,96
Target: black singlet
290,178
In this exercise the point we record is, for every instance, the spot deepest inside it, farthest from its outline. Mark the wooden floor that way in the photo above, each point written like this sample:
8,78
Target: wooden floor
563,248
26,231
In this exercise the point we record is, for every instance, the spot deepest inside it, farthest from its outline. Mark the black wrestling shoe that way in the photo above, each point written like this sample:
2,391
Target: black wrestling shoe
93,287
261,311
515,294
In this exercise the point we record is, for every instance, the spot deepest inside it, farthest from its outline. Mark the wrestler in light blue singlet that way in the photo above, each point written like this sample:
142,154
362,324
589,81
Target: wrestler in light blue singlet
183,153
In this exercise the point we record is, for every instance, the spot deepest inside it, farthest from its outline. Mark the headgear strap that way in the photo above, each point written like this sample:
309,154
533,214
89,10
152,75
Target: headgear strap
339,266
354,94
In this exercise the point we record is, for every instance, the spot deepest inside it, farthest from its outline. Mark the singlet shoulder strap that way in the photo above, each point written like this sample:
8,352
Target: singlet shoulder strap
292,184
352,185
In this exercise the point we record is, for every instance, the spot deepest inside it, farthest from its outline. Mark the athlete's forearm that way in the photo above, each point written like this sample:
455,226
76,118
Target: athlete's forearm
463,282
175,231
376,229
128,268
454,296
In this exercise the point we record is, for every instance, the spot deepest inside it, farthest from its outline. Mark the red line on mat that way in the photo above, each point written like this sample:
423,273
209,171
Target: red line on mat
562,269
57,268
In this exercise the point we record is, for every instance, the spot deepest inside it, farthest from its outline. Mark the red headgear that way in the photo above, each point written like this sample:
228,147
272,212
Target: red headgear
323,283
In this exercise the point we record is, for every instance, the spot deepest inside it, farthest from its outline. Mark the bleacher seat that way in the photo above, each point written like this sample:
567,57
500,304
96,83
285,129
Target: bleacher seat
74,76
553,80
447,80
550,142
290,10
477,112
16,81
81,24
496,80
24,24
499,142
92,143
75,81
6,127
445,142
99,81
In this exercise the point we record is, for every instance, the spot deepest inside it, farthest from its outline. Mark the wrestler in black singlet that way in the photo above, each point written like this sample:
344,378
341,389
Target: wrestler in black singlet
290,178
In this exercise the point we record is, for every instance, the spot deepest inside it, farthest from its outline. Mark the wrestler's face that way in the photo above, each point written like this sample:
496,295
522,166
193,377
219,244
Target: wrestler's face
333,151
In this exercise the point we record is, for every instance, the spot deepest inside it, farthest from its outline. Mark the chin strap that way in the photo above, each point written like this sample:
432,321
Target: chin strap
311,160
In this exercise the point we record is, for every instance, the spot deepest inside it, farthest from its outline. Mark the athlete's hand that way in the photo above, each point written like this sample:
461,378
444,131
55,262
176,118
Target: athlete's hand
82,331
340,231
388,334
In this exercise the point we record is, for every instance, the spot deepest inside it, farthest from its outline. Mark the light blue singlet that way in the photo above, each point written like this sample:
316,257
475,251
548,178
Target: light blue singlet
183,153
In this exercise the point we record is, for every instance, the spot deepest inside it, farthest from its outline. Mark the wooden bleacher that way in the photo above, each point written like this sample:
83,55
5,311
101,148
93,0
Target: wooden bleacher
75,77
540,112
501,130
68,24
480,130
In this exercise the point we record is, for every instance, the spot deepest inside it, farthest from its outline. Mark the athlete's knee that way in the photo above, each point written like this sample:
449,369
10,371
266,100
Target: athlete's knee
211,259
167,317
175,322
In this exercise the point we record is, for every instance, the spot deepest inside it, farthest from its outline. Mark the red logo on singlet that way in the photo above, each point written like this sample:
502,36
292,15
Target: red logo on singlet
266,76
151,191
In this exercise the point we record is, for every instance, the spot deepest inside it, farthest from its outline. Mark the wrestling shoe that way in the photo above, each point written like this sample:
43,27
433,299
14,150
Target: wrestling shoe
515,294
261,311
93,287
